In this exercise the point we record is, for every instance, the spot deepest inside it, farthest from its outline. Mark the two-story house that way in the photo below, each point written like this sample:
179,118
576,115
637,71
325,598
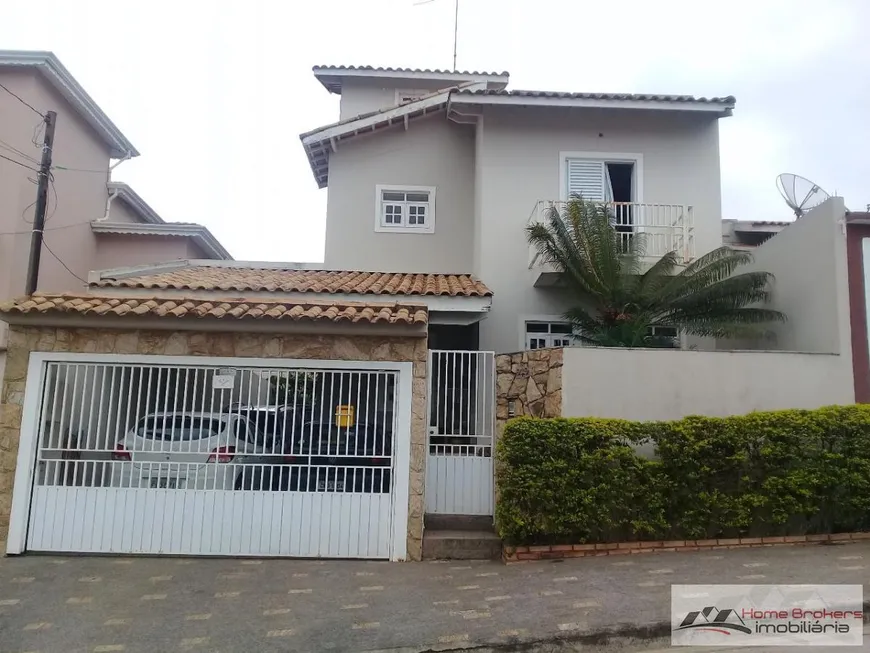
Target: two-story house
434,171
91,221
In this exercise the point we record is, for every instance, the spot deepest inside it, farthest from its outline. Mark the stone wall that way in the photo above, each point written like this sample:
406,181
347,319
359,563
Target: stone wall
23,340
531,381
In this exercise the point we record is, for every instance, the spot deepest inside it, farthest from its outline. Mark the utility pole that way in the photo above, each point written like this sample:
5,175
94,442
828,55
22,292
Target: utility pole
41,204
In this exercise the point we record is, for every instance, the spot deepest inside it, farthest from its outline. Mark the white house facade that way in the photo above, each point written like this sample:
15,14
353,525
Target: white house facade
440,172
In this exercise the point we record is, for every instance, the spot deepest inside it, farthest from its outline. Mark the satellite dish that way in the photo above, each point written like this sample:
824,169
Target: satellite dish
800,193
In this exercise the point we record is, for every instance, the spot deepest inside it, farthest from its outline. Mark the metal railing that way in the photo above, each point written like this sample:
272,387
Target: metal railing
665,227
204,428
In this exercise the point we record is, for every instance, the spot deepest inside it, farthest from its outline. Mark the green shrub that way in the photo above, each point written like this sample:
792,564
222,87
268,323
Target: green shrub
773,473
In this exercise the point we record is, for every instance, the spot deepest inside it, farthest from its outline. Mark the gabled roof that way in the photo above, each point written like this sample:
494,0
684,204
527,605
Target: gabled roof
90,305
721,105
131,198
254,277
332,76
320,143
200,234
50,67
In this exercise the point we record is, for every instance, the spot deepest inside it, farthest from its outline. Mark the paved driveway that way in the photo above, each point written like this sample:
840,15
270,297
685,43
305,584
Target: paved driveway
102,604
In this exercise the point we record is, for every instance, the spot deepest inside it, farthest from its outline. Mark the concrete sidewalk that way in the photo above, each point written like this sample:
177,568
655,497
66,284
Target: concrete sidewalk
72,604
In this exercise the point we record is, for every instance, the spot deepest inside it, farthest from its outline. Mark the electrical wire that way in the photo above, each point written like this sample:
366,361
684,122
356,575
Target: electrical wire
29,106
66,226
18,163
102,172
57,258
37,132
56,200
15,150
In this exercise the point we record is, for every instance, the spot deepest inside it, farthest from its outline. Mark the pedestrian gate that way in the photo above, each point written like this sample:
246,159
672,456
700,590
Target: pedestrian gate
459,472
221,457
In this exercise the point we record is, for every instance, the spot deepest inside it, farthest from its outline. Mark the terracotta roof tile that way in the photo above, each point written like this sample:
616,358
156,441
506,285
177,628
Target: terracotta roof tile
315,281
374,313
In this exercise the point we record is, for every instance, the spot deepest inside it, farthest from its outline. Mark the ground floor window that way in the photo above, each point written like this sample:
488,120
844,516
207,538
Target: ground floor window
540,335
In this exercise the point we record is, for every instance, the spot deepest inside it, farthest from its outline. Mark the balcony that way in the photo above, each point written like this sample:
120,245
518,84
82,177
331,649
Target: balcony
666,228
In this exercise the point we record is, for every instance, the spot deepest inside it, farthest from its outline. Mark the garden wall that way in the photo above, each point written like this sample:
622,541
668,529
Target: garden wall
528,383
661,384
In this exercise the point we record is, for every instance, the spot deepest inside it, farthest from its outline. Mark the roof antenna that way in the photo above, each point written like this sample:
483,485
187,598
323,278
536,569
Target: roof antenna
455,24
455,30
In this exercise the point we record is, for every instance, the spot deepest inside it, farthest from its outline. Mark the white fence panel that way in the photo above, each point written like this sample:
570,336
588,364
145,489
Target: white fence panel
459,471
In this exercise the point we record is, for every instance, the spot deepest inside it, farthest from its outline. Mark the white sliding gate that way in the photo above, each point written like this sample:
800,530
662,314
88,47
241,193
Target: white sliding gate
459,471
257,457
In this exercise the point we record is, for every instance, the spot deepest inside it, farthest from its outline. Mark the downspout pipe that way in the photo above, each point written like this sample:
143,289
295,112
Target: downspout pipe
113,194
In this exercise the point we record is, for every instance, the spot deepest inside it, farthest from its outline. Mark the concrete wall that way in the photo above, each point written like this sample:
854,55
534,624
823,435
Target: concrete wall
652,384
518,164
360,96
120,250
77,198
433,152
811,287
120,211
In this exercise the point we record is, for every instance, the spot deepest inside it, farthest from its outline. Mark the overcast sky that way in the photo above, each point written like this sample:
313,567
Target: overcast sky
214,94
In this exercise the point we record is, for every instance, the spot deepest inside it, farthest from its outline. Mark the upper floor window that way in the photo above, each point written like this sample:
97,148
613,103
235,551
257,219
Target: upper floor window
602,177
405,209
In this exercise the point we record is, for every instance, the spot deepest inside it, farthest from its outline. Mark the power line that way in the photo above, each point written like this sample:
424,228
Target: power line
66,226
57,258
56,200
29,106
102,172
15,150
18,163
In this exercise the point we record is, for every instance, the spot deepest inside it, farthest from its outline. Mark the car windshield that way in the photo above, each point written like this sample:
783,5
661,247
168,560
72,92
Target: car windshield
178,428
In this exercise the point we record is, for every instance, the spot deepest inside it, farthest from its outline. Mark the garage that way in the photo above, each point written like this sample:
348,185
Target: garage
256,436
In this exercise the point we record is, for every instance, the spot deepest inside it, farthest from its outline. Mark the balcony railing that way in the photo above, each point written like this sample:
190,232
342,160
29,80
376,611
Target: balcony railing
665,227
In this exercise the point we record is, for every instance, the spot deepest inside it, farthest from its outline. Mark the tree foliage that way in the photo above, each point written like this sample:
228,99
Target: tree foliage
618,296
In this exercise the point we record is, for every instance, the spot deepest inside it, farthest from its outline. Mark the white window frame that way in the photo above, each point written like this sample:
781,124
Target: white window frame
525,336
406,92
606,157
404,228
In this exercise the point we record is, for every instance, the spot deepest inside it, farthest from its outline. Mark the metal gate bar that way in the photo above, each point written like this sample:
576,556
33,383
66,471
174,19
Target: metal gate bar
459,473
202,459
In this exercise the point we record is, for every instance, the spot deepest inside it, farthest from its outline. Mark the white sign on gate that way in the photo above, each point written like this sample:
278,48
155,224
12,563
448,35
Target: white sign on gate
223,381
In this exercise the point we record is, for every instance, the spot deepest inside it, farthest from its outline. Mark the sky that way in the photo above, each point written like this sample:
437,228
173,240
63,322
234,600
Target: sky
215,94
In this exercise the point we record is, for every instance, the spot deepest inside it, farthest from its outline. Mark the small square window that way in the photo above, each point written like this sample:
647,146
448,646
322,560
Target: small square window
408,209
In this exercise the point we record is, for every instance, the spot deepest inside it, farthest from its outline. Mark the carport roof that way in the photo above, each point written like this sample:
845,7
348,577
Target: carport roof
89,305
200,275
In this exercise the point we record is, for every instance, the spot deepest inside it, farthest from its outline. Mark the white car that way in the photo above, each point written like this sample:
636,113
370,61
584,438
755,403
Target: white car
203,451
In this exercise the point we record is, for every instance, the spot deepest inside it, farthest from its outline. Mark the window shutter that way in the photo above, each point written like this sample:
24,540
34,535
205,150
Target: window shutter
586,178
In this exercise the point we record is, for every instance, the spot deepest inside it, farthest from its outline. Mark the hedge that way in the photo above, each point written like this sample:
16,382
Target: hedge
583,480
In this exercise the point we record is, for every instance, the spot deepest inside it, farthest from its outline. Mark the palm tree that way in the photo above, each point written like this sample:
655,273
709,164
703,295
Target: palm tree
618,298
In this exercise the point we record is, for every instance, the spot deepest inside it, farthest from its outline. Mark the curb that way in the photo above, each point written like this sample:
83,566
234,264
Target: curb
600,637
513,554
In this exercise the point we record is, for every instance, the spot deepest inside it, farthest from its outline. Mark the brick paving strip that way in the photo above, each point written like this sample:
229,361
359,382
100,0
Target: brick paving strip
157,604
561,551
